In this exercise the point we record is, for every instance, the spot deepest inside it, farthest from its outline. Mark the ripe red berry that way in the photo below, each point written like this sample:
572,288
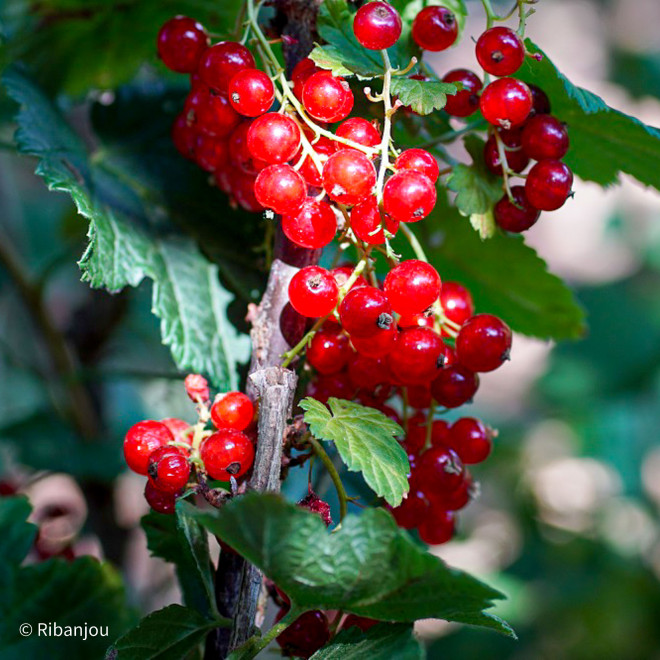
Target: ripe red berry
197,388
184,136
334,385
210,152
457,499
418,160
349,177
377,25
506,102
438,527
412,286
515,217
239,153
516,159
548,185
141,440
324,148
541,101
306,635
545,137
313,291
483,343
500,51
327,97
409,196
439,470
423,320
377,345
367,222
273,137
456,302
227,453
343,273
301,73
416,429
415,357
367,373
210,113
181,430
362,622
329,350
221,62
412,511
466,101
364,310
454,385
358,129
435,28
280,188
251,92
181,42
313,226
242,190
159,500
440,433
232,410
169,469
419,396
470,439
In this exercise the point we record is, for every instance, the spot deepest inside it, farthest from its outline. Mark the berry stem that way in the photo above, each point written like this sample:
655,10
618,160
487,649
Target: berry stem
387,127
334,475
414,243
256,644
506,172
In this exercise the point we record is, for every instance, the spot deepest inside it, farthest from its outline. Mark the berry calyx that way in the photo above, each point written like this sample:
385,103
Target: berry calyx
327,97
251,92
367,222
435,28
313,291
545,137
364,311
221,62
181,43
280,188
454,385
409,196
227,453
349,177
506,102
515,217
141,440
233,410
273,138
329,350
470,439
483,343
313,226
500,51
412,286
466,101
548,185
169,469
377,25
418,160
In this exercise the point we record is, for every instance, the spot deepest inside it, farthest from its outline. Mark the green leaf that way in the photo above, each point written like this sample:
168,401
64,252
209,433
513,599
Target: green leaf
17,534
422,96
366,441
368,566
604,141
385,641
182,541
505,276
168,634
477,188
128,241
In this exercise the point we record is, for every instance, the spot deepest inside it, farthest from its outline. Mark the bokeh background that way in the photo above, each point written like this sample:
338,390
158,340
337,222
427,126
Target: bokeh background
567,523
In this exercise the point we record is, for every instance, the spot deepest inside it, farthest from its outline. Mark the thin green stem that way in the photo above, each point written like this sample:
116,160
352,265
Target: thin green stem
334,475
291,354
414,243
387,127
255,645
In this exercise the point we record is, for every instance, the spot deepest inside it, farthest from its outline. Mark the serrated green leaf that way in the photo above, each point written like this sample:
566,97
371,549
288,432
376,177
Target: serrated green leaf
422,96
129,244
331,58
366,441
17,534
181,541
386,641
168,634
604,141
368,566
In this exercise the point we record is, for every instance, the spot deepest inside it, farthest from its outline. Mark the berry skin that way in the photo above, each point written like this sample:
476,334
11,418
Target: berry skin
358,129
342,275
454,385
456,302
545,137
239,153
510,217
548,185
274,138
438,527
506,102
329,350
159,500
364,311
306,635
313,291
300,74
500,51
362,622
366,222
418,160
457,499
424,320
327,97
349,177
377,25
412,286
466,101
232,410
169,469
376,345
439,470
483,343
315,504
412,511
367,373
197,388
435,28
419,396
227,453
210,152
335,385
409,196
242,190
142,439
415,356
470,439
184,136
517,160
313,226
541,101
280,188
221,62
181,43
251,92
210,113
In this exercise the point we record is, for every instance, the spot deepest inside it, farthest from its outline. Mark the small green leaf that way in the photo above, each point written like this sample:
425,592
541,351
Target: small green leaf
604,141
168,634
386,641
368,566
366,441
17,534
331,58
422,96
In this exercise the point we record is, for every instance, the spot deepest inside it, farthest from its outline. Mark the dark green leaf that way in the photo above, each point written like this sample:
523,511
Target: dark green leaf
604,141
182,541
369,566
168,634
366,441
387,641
422,96
17,534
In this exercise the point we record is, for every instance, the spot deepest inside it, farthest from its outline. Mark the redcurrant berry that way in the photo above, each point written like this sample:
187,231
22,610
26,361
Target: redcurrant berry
142,439
221,62
181,42
418,160
329,350
240,154
169,469
409,196
466,101
210,112
516,159
483,343
343,273
440,433
313,291
359,130
313,226
423,320
457,499
300,74
415,356
416,433
545,137
377,345
454,385
227,453
273,137
367,222
367,373
377,25
306,635
242,190
181,430
349,177
518,216
364,310
232,410
159,500
541,101
327,97
280,188
412,286
456,302
435,28
419,396
506,102
412,511
470,439
324,148
251,92
500,51
548,185
334,385
440,470
362,622
210,152
184,136
438,527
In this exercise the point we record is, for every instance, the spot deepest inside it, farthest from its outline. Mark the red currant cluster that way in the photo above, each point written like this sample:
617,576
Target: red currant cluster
173,453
